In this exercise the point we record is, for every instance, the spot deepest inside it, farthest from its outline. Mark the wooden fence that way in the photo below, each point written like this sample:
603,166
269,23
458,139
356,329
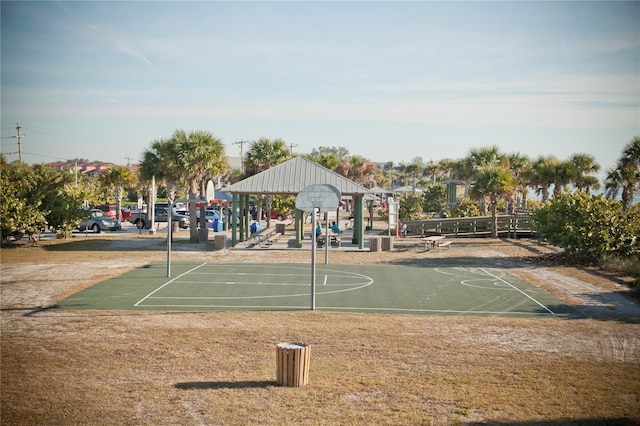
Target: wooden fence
511,226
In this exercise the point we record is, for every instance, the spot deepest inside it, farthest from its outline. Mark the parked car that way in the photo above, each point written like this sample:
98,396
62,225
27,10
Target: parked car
209,215
98,221
126,213
109,210
280,216
161,215
274,214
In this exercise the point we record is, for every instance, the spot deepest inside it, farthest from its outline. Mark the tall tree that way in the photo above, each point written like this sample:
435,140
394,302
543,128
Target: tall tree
325,159
563,176
357,168
200,156
625,177
520,166
413,170
119,178
161,161
494,182
584,166
263,154
544,175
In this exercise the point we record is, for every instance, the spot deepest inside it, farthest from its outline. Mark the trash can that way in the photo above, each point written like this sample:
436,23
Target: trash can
374,244
292,364
220,241
255,227
280,228
387,243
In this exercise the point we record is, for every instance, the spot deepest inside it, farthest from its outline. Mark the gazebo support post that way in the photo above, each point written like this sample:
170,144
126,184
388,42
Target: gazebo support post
299,225
358,222
235,200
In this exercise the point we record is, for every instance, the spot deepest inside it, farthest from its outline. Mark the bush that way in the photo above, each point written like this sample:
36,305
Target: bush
588,227
410,208
465,208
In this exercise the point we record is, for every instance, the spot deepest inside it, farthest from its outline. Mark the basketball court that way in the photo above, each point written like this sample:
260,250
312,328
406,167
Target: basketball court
389,289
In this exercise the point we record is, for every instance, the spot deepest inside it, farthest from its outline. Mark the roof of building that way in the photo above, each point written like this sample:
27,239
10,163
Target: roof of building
292,176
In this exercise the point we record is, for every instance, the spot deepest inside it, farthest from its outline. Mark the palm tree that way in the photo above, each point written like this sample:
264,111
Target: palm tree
493,182
263,154
584,166
564,173
479,159
328,160
543,175
413,170
357,168
626,175
520,166
487,156
120,178
200,155
161,162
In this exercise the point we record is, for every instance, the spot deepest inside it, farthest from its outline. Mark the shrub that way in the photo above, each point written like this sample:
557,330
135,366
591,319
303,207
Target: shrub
588,227
410,208
465,208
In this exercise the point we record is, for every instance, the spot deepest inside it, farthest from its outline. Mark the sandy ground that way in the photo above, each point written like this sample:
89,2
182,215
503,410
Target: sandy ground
65,367
32,284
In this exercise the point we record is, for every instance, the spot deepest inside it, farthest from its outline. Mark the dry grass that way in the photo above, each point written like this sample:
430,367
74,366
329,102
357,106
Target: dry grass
149,368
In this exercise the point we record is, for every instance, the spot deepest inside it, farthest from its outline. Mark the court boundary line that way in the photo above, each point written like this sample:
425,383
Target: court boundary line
150,297
516,288
348,308
167,283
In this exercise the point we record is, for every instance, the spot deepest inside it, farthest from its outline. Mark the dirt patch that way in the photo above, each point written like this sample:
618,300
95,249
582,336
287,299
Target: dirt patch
111,367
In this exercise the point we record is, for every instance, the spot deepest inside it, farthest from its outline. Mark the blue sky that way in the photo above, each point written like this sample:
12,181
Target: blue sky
387,80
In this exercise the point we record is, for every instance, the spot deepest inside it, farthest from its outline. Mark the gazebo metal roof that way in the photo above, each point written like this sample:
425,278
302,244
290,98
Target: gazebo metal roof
292,176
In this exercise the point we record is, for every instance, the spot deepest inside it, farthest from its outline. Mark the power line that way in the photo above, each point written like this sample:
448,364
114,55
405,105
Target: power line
19,137
241,143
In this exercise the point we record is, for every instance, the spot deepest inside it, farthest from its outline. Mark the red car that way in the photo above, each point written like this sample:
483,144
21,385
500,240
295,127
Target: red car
108,210
280,216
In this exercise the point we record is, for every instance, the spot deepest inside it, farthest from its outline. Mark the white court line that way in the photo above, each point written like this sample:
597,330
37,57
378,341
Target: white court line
342,308
167,283
516,288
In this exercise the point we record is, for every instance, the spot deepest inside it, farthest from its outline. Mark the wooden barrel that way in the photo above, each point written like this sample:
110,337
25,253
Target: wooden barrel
292,364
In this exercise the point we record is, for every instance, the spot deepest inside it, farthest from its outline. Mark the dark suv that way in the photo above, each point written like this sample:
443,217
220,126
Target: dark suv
161,214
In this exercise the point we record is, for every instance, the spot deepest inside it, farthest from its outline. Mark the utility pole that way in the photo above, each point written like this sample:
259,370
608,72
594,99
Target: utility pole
241,143
291,146
128,161
19,137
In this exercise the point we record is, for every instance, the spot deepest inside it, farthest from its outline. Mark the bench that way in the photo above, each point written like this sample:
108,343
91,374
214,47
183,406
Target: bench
257,237
443,244
266,242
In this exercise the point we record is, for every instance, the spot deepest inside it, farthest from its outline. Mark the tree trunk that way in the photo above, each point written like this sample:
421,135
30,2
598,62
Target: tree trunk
202,237
494,218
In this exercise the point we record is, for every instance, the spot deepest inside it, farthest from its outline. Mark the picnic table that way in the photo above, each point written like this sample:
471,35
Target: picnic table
334,239
259,237
435,241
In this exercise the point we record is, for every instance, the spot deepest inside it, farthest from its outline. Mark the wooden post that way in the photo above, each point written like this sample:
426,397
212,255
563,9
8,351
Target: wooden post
292,364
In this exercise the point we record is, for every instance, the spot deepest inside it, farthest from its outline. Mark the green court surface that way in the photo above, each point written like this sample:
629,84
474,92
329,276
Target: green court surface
354,288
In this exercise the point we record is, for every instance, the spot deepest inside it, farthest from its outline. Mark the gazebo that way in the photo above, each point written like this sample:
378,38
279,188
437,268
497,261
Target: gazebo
290,178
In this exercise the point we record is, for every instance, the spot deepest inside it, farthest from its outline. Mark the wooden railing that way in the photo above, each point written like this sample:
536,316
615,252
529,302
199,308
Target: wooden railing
512,226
